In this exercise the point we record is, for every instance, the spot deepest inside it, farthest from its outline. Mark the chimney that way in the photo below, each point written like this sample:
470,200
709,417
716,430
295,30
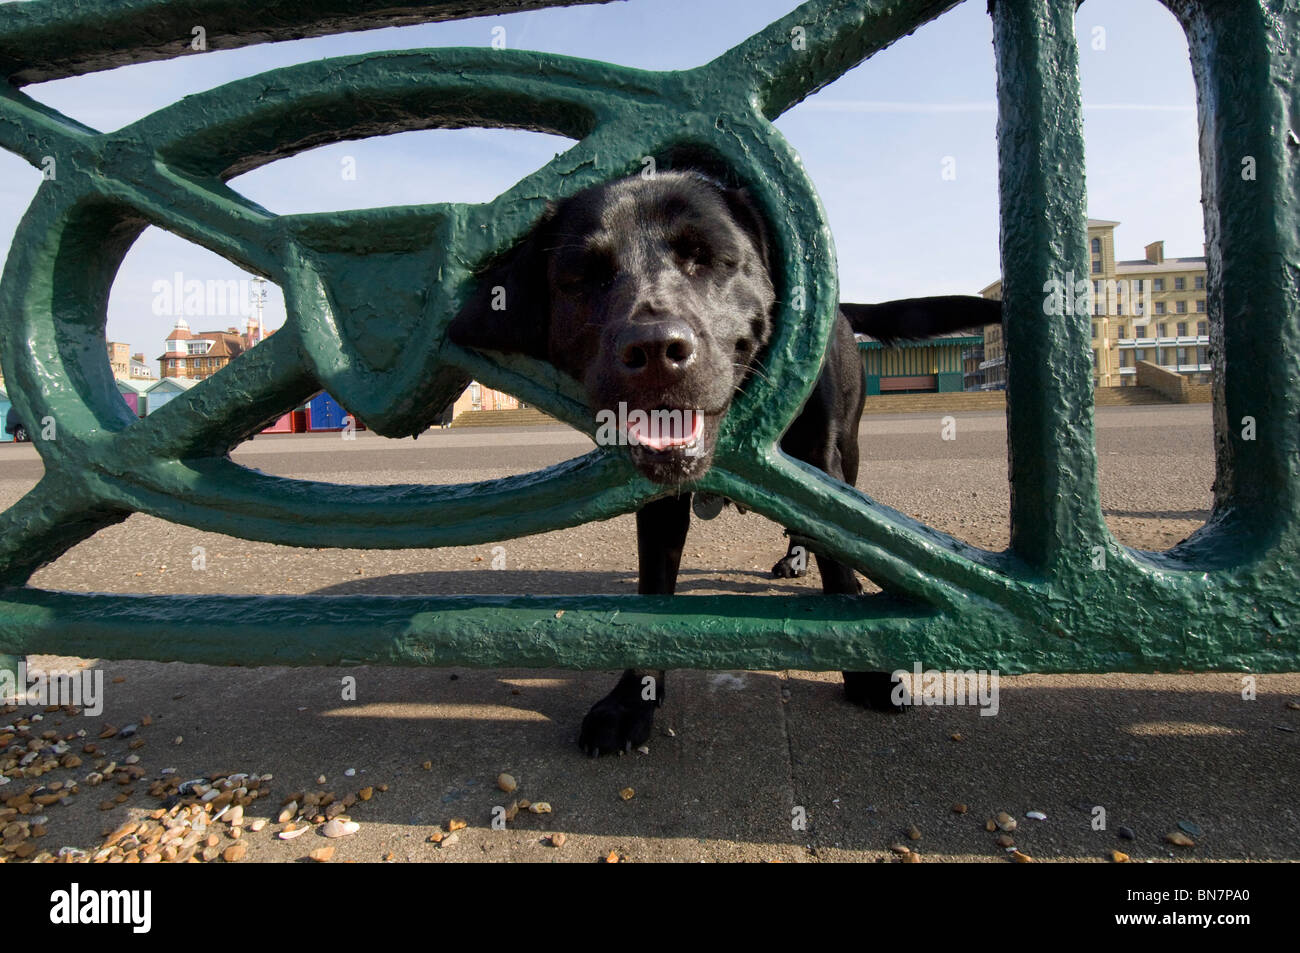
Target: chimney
1156,252
138,357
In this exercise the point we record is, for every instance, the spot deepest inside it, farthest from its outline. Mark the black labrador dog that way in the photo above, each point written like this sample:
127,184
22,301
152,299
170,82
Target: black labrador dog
656,293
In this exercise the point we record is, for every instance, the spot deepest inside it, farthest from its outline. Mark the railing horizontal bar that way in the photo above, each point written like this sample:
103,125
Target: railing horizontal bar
52,39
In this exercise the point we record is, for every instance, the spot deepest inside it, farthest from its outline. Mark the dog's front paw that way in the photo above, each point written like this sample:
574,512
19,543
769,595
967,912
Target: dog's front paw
615,724
789,568
874,690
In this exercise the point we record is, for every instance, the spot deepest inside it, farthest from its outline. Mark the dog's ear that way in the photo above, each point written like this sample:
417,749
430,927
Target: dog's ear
509,308
915,318
743,208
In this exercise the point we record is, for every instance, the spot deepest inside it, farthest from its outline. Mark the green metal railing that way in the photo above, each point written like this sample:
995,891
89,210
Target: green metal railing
1065,597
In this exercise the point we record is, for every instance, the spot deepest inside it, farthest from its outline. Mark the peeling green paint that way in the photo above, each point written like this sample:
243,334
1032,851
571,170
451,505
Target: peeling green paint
1065,597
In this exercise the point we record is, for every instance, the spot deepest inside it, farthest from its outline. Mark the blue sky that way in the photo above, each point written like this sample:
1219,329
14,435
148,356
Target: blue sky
874,142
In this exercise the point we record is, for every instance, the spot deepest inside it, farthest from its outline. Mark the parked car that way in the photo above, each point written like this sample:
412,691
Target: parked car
15,427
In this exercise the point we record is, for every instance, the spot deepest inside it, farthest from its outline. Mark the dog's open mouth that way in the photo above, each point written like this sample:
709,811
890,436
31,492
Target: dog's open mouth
671,444
665,429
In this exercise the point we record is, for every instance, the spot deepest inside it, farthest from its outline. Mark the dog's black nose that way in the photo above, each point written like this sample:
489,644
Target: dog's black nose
664,347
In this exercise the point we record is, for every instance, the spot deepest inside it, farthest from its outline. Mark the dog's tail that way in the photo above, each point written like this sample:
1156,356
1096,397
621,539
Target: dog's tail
914,318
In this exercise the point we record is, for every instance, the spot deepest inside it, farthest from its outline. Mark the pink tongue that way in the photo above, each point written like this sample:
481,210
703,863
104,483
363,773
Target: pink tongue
665,430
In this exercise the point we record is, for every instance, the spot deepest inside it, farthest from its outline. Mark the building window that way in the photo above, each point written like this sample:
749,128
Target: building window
1138,285
1119,332
1202,328
1096,266
1160,307
1182,329
1096,246
1200,306
1181,307
1095,362
1182,355
1119,307
1139,354
1164,330
1094,330
171,364
1157,284
1200,282
1180,284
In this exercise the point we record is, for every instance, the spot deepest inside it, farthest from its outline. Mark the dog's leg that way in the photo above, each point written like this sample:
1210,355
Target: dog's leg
623,719
794,564
825,435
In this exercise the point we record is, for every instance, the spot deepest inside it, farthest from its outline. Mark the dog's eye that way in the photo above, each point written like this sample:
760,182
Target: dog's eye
691,253
590,271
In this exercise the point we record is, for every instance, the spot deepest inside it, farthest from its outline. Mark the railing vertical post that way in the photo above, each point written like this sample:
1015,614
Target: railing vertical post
1244,60
1055,506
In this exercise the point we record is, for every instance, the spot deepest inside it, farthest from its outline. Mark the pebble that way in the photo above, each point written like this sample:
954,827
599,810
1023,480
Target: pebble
366,793
289,833
990,825
900,849
1004,840
627,794
612,857
321,779
448,841
643,749
457,823
912,858
956,737
539,807
350,773
1006,822
235,816
178,740
1187,827
1119,857
338,828
437,836
1126,833
507,783
959,808
1179,839
1036,816
428,765
234,852
256,824
914,833
321,854
557,840
287,813
1020,858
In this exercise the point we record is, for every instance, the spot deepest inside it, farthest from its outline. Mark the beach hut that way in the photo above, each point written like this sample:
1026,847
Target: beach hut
160,392
326,413
4,412
133,393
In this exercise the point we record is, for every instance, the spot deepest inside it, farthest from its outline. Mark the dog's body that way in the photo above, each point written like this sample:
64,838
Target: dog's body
657,293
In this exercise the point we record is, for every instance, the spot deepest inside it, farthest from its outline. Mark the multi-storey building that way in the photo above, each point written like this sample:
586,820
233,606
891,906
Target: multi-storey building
119,359
1146,309
198,355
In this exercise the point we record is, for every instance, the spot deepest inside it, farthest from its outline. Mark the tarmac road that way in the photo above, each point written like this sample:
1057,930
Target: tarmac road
734,753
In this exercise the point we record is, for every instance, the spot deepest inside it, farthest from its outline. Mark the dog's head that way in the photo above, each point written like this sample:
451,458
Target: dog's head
653,293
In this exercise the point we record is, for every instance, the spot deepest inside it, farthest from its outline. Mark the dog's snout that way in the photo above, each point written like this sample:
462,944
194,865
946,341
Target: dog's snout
664,347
